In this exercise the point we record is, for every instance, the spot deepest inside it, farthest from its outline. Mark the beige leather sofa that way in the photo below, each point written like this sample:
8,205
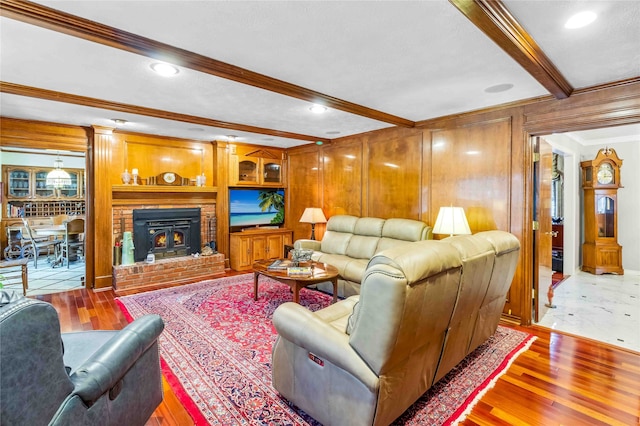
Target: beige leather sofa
423,307
349,242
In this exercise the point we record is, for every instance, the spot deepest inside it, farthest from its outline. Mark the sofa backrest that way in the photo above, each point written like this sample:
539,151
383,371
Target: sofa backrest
478,257
507,249
399,325
363,237
339,231
366,235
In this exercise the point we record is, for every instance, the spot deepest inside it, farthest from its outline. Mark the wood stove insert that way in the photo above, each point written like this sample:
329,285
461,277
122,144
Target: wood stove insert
166,232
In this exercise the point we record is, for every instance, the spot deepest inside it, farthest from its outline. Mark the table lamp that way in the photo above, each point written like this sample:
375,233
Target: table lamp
452,221
313,215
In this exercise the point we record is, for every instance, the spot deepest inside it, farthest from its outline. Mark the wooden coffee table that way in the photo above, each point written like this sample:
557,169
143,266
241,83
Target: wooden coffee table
321,273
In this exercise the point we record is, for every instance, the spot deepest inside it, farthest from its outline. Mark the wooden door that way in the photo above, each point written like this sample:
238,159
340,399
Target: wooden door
543,239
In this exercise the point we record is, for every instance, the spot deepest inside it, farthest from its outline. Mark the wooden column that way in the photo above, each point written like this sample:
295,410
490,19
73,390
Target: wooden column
221,161
100,204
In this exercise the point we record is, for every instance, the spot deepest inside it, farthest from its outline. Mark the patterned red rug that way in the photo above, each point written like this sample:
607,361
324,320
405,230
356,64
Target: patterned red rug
216,355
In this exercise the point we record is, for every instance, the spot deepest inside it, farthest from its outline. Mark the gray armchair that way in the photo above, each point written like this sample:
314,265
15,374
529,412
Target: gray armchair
84,378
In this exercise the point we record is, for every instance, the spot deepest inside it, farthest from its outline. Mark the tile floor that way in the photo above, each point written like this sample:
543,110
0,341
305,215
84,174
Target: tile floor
46,280
601,307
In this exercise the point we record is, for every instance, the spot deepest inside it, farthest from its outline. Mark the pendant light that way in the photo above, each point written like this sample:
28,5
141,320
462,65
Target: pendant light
57,177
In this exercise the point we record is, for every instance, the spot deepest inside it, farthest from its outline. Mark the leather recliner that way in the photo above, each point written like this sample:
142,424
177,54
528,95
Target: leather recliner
83,378
423,306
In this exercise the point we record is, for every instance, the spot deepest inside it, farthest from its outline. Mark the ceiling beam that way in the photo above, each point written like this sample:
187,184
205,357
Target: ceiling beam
493,19
50,95
76,26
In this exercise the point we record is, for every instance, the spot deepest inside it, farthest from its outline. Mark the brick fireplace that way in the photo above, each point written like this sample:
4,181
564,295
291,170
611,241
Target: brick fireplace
177,270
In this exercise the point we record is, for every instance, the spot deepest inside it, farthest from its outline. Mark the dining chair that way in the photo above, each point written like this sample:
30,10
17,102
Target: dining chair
73,239
60,219
34,246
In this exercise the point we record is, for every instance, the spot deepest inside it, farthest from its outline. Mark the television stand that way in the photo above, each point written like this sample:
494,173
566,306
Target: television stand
258,243
260,228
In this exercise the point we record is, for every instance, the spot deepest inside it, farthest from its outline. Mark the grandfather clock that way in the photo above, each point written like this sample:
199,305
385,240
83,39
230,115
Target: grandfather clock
601,252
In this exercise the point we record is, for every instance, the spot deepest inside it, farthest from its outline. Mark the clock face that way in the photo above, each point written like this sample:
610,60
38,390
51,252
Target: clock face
169,177
605,174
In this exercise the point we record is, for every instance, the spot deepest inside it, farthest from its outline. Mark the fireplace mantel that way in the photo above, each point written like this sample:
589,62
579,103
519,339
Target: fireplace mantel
158,194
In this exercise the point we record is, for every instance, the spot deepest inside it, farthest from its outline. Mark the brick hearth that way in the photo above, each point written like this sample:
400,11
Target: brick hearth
174,270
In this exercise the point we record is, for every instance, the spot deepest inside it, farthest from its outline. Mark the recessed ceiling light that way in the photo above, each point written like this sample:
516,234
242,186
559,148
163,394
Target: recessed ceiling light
499,88
231,137
318,109
333,132
580,20
119,121
164,69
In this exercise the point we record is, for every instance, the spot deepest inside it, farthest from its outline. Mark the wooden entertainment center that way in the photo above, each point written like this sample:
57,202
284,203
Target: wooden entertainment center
257,243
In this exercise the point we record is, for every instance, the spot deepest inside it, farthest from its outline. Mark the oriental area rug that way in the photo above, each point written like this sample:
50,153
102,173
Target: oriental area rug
216,355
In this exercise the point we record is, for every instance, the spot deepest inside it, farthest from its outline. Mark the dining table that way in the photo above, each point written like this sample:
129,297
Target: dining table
55,231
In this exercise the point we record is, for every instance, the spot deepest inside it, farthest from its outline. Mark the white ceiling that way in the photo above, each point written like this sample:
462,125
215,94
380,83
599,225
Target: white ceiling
413,59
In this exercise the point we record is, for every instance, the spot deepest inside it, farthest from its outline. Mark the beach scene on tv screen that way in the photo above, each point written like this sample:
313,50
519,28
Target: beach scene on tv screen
256,207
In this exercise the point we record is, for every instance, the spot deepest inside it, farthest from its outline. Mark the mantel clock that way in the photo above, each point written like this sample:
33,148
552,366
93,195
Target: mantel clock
601,252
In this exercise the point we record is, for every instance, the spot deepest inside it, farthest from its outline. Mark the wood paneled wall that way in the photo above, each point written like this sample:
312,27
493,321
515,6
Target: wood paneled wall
481,161
411,173
393,175
304,191
153,155
480,177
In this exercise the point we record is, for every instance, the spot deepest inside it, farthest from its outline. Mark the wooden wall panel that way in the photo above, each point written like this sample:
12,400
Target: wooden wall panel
303,190
479,178
342,178
393,177
153,155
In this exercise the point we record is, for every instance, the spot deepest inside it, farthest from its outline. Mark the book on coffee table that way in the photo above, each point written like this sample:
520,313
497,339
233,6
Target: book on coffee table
280,265
299,271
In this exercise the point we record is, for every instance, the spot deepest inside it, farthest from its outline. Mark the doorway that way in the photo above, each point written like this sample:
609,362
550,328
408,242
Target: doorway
31,192
589,291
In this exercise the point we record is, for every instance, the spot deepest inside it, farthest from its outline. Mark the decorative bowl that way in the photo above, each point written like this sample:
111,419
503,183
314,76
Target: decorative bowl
301,255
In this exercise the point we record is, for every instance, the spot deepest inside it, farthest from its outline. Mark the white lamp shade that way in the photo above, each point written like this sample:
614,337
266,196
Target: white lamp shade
313,215
452,221
57,177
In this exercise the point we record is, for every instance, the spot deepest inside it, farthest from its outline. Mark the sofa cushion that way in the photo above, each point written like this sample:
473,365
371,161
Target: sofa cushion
362,247
386,243
342,223
335,242
369,226
405,229
338,260
354,270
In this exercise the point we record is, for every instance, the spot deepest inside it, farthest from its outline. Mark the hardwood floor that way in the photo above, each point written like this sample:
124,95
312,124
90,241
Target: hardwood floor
560,380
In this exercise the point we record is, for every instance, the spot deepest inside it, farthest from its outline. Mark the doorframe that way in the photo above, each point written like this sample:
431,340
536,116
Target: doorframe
621,106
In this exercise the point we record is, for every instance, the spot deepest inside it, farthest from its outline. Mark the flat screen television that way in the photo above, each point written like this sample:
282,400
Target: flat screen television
255,207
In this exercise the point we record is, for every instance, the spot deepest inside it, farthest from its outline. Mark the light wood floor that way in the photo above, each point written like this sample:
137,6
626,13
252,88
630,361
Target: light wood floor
560,380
